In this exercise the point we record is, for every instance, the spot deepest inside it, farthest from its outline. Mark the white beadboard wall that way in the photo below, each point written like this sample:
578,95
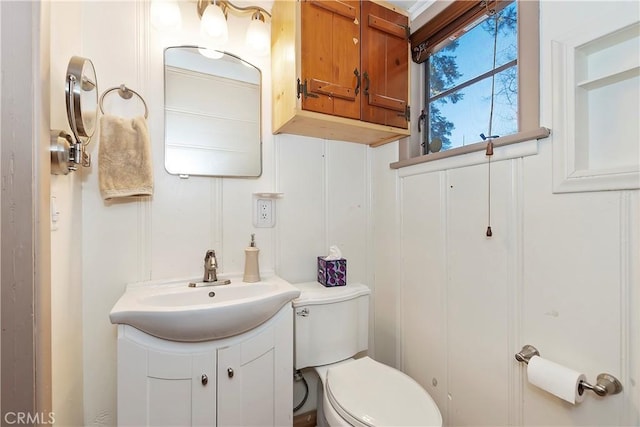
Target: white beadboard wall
66,242
326,200
561,271
554,266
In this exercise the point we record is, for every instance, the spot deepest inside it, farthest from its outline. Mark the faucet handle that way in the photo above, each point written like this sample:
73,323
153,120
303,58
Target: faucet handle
210,257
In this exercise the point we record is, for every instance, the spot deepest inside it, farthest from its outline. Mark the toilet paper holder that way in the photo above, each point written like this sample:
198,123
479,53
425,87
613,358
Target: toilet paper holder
606,383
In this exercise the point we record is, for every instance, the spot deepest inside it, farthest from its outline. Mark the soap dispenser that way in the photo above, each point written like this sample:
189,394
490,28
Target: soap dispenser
251,269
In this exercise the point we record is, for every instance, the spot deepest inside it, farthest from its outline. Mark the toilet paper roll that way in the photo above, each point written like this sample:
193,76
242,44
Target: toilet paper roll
556,379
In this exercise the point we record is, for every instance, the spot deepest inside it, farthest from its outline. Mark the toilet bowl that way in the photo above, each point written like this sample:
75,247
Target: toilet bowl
331,327
366,393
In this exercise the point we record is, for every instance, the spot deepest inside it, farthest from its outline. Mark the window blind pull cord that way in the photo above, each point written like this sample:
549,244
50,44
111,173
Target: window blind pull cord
489,151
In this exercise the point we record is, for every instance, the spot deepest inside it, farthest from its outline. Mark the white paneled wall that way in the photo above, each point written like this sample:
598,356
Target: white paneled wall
325,186
66,243
301,213
450,306
554,266
560,272
456,289
386,254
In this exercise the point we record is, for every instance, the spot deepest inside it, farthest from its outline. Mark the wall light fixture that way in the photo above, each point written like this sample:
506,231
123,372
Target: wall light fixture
165,16
213,24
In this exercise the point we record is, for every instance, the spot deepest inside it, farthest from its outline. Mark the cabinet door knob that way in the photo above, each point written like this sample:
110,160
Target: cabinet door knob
205,379
230,372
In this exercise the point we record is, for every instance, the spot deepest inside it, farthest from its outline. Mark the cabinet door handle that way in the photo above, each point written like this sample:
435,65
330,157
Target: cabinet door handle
230,372
357,80
205,379
365,76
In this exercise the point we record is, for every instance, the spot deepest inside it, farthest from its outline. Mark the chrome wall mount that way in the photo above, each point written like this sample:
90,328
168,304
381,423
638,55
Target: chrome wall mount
125,93
527,352
81,93
60,148
606,384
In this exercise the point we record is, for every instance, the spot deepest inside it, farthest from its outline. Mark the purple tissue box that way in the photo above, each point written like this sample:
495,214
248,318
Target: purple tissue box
332,273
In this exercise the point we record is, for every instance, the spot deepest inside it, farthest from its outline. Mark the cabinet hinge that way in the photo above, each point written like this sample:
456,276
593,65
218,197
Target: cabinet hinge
406,114
301,89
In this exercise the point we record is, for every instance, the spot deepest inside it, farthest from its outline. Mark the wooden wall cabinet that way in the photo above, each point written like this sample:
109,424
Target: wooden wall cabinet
340,70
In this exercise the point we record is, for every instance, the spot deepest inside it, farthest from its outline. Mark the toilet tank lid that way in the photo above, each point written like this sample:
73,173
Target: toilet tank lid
312,293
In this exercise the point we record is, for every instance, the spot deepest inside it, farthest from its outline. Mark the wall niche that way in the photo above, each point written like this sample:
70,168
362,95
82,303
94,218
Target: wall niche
596,102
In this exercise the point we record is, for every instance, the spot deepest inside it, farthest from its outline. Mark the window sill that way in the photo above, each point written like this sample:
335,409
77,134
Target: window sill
526,146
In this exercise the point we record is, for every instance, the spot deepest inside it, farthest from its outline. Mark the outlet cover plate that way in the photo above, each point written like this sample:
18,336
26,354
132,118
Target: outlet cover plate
264,213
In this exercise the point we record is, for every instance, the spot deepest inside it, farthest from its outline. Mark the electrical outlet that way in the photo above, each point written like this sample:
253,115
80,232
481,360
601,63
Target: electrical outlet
264,213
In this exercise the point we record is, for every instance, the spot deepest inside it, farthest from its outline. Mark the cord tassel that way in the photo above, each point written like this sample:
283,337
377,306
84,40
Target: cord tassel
489,151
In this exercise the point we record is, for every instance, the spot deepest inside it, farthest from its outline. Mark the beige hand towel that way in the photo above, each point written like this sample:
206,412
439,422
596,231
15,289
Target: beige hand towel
124,158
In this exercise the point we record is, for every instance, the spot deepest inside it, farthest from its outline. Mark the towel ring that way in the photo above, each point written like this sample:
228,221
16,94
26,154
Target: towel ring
125,93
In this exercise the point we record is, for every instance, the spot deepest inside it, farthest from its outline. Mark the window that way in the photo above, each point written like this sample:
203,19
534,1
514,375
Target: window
472,83
481,76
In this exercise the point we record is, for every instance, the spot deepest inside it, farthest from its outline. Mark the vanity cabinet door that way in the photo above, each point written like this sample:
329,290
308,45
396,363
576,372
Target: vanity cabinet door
255,383
157,388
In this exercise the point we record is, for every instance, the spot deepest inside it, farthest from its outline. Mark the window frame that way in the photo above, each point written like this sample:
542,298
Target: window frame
444,19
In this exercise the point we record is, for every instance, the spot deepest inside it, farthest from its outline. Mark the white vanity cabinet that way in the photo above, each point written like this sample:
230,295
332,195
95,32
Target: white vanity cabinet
242,380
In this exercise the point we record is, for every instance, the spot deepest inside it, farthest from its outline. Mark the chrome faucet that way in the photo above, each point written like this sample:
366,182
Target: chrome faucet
210,272
210,266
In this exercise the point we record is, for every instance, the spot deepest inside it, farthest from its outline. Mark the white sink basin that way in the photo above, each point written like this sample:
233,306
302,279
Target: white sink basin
174,311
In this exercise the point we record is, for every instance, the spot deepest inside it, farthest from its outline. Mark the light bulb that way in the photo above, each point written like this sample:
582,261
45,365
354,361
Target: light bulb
258,35
210,53
214,25
165,15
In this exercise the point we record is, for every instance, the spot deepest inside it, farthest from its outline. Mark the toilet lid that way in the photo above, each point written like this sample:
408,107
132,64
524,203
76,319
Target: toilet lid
368,393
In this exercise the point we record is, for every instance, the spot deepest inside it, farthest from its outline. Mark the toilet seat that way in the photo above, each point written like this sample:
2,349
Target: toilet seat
367,393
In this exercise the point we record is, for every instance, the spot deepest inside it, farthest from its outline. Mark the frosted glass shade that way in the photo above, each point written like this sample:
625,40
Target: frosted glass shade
258,37
214,26
165,15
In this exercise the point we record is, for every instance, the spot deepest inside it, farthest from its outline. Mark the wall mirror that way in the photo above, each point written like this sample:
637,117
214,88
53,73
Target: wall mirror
81,93
212,114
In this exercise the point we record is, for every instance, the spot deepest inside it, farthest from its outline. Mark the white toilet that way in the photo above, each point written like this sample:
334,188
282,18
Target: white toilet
332,326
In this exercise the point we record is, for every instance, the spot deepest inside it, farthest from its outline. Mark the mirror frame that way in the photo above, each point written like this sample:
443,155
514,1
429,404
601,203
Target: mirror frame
75,87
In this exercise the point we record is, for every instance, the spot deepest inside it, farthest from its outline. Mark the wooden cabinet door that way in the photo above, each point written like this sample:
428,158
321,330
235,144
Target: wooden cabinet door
385,66
330,56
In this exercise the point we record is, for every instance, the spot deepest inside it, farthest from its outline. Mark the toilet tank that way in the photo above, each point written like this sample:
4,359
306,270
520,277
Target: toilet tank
331,324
